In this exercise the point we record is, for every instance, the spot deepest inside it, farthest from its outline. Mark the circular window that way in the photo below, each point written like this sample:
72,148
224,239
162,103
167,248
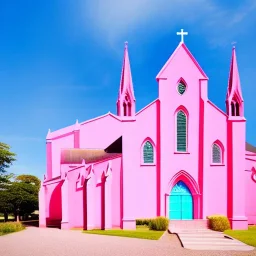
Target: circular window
181,88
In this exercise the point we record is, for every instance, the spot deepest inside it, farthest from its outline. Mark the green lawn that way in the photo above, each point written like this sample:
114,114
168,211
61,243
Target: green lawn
246,236
141,232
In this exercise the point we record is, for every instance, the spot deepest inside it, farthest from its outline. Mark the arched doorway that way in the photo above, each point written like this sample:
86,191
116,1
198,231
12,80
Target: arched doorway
180,202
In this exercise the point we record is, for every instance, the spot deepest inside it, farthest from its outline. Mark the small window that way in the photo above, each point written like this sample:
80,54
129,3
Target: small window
216,154
181,132
148,153
181,88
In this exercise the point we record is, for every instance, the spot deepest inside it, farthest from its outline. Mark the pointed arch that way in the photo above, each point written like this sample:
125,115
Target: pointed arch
192,185
253,176
187,179
236,105
181,131
217,153
181,86
148,152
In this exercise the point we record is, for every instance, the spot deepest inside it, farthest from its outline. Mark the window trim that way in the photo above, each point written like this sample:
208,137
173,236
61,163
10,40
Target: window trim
184,110
181,80
142,152
220,145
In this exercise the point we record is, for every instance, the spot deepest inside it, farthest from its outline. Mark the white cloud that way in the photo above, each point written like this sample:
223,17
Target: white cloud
116,20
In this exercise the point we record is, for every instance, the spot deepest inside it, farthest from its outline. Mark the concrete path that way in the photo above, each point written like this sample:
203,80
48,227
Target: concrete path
54,242
207,239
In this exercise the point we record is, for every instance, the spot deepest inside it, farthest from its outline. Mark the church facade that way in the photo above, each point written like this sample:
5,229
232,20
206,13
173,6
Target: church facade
180,156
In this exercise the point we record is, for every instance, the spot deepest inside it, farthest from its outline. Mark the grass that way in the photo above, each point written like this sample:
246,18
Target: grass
10,227
245,236
141,232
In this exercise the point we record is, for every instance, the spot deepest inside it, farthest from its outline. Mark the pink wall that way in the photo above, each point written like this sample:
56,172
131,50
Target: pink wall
75,200
180,66
53,199
100,133
250,191
215,175
67,141
145,173
76,207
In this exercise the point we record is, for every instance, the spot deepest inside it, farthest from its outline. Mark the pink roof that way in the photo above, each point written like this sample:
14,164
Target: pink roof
126,75
76,156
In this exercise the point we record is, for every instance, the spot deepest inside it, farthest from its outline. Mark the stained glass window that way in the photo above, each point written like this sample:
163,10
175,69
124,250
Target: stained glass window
181,88
216,154
148,153
181,131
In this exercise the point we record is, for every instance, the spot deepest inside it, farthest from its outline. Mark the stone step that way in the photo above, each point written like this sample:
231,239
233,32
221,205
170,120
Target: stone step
220,247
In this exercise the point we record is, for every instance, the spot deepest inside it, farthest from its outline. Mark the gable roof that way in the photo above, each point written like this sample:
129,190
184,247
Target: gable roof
249,147
181,45
76,156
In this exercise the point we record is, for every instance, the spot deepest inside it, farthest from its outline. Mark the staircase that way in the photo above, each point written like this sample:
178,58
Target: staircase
177,226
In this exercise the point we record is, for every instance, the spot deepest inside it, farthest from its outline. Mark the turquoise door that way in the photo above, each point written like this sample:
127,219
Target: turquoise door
180,203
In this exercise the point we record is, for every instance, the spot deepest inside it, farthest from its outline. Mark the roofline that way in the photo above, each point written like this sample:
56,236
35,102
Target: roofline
191,57
147,106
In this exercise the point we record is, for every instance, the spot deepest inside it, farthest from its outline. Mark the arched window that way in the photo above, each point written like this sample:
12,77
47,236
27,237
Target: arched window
124,106
148,153
181,131
233,112
129,109
237,109
181,87
216,154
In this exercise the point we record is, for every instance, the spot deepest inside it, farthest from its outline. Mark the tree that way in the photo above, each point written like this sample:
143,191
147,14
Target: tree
6,157
23,195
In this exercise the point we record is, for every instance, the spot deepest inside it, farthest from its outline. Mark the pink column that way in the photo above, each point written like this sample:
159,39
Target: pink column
42,206
77,135
167,199
236,177
64,204
90,203
49,159
108,202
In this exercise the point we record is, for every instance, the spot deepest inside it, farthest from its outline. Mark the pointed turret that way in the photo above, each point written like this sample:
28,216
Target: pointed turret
126,98
234,98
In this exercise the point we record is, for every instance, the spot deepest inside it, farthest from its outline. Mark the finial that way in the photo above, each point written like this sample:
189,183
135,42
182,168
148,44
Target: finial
76,125
49,131
234,43
126,44
182,34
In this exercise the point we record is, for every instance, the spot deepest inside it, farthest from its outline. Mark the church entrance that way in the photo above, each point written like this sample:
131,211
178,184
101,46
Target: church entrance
180,203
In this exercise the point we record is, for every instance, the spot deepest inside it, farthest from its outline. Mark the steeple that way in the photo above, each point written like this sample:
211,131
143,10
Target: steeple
234,98
126,98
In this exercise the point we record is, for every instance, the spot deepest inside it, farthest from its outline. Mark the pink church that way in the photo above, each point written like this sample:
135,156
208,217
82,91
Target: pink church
180,156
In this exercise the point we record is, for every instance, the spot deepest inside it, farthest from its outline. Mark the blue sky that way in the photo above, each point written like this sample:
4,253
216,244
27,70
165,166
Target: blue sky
61,60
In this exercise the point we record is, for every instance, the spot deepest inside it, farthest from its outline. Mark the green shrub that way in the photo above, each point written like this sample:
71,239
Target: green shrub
143,221
159,223
9,227
218,222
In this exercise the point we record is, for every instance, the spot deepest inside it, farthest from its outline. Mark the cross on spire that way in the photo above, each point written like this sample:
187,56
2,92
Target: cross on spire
182,34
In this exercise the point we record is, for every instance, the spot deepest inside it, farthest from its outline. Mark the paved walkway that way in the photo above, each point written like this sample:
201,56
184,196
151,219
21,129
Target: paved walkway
54,242
207,239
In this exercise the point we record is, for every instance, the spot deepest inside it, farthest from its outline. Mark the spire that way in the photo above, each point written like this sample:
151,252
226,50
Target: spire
126,98
234,98
126,75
